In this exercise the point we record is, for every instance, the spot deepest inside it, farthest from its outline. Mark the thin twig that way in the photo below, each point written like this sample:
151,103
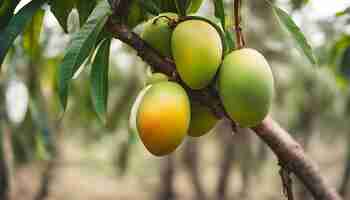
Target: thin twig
237,4
287,182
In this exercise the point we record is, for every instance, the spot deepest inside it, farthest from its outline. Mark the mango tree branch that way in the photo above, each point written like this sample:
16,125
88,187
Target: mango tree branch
282,144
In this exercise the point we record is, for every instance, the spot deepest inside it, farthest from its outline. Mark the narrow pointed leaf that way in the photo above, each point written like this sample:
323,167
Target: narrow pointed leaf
182,6
7,7
85,8
295,32
16,26
220,12
150,6
82,43
99,79
230,41
31,35
61,10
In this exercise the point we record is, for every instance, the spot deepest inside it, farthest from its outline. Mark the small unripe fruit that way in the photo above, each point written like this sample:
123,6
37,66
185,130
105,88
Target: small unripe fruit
157,33
197,52
202,120
163,117
246,86
156,78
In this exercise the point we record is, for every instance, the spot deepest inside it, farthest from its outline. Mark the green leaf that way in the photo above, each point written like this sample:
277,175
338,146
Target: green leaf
344,12
85,8
338,48
82,43
16,26
31,35
150,6
220,12
61,10
7,7
99,79
296,33
230,41
182,6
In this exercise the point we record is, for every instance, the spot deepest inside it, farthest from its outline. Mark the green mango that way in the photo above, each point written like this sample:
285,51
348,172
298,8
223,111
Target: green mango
157,33
246,86
197,51
202,120
163,117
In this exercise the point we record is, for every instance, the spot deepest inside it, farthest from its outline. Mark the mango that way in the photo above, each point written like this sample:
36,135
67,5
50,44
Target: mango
163,117
202,120
157,33
246,86
197,51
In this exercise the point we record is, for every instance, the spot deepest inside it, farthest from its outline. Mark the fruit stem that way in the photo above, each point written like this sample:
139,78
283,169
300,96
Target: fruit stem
170,21
238,29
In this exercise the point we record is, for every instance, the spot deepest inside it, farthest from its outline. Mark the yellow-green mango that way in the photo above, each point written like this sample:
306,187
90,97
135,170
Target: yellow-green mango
197,52
202,120
157,33
163,117
246,86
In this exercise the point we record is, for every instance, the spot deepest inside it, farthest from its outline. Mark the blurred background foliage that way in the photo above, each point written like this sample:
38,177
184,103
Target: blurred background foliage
77,157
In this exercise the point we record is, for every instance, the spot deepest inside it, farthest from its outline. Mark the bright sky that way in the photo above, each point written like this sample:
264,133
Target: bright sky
327,8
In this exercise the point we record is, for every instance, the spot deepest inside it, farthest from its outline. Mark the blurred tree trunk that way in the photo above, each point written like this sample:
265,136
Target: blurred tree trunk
51,165
227,158
4,171
167,176
344,186
4,168
246,158
190,160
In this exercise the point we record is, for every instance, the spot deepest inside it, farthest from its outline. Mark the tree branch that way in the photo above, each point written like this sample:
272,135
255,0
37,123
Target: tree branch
288,151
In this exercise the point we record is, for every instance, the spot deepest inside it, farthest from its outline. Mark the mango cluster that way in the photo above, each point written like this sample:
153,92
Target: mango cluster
163,114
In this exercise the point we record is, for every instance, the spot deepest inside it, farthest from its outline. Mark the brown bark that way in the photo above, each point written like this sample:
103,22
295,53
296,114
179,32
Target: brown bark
190,160
4,171
283,145
292,156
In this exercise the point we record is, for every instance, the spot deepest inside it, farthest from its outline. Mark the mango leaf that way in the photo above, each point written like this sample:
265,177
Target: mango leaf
150,6
31,35
85,8
82,43
7,7
344,12
338,48
99,79
17,25
220,12
182,6
345,64
61,10
230,41
296,33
